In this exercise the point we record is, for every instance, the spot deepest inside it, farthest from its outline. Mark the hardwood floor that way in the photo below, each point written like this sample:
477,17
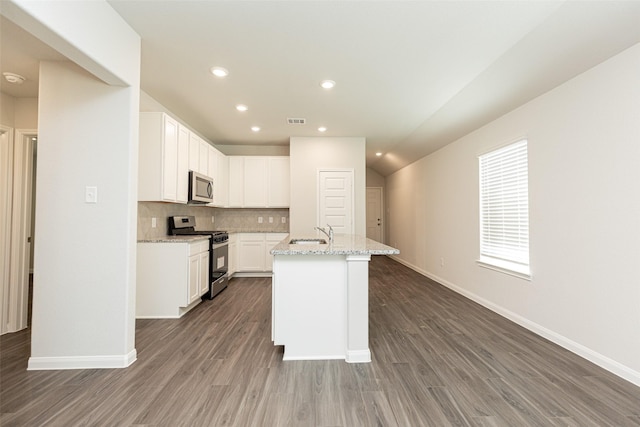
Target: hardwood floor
438,360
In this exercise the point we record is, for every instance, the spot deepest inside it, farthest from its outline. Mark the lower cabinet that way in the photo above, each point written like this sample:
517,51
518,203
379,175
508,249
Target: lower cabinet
198,271
171,277
252,252
233,253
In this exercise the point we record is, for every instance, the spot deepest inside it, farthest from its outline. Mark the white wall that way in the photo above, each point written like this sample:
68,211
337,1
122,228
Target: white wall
84,266
18,113
308,154
374,179
82,301
584,170
7,110
26,113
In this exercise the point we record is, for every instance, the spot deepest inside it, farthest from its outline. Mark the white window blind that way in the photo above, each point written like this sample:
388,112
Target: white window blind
504,208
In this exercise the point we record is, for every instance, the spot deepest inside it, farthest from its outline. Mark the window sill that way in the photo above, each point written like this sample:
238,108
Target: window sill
506,267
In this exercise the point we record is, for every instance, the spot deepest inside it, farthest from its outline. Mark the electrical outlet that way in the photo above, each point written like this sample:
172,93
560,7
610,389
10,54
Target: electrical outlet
154,222
259,220
213,219
441,262
283,219
270,220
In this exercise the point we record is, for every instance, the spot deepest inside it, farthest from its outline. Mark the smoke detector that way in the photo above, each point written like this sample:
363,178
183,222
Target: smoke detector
14,78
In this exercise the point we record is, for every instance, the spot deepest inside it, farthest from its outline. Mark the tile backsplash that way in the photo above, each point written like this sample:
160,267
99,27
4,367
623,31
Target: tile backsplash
237,220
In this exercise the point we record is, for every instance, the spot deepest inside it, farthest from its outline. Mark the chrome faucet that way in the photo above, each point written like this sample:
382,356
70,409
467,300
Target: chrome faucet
329,234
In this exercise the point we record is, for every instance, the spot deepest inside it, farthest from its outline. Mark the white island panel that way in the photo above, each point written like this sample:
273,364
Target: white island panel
309,316
321,298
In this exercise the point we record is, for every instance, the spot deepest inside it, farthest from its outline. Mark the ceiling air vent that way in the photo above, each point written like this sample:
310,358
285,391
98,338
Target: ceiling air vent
296,121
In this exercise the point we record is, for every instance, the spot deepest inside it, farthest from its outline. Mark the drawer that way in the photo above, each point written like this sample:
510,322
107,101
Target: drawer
198,247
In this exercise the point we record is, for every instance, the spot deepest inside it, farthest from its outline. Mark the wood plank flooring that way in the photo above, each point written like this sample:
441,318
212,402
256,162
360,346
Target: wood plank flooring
438,360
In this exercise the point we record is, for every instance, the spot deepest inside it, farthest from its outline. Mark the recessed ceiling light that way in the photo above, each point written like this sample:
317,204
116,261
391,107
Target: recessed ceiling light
241,107
322,129
255,128
14,78
327,84
219,71
378,154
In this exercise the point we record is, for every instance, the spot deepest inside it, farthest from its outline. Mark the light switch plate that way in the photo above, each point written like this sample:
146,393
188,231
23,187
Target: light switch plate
91,195
154,222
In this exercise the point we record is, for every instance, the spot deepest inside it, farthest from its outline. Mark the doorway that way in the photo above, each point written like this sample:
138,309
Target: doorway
374,214
16,206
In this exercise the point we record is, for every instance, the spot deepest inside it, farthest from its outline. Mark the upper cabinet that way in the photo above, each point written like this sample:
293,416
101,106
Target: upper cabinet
278,181
258,182
163,159
199,155
169,150
207,160
221,180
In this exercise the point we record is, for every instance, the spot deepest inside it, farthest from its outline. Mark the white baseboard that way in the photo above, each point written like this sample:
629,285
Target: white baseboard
328,357
358,356
604,362
81,362
252,274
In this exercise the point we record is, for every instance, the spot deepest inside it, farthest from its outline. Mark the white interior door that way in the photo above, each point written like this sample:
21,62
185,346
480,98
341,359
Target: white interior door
6,174
336,200
21,227
374,214
16,184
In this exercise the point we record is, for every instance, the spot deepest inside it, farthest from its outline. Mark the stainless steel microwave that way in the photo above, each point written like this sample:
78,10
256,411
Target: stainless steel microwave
200,188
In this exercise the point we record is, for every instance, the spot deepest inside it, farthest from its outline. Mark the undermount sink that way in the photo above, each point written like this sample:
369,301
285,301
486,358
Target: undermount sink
307,242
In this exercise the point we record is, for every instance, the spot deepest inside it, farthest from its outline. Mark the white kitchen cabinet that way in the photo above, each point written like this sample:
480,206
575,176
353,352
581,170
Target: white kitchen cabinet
212,162
194,277
255,182
162,159
194,152
233,253
221,181
253,252
203,167
182,191
251,247
218,170
236,181
198,154
271,239
171,277
258,182
278,182
198,270
203,271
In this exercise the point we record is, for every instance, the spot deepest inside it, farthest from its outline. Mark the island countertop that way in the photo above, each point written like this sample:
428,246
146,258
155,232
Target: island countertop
175,239
343,244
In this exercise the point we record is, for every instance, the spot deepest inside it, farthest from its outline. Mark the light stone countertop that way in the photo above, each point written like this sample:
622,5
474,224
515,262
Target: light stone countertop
343,244
253,230
175,239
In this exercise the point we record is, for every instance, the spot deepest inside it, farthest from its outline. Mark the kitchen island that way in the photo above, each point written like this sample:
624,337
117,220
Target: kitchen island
320,297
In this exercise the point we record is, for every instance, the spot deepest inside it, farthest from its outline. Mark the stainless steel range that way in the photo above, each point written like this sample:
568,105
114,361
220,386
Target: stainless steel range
218,247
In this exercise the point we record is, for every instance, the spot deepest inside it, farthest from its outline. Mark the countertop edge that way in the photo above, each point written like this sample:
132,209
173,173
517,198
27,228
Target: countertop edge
343,244
175,239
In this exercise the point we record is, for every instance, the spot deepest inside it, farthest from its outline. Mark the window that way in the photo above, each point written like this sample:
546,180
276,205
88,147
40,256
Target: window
504,210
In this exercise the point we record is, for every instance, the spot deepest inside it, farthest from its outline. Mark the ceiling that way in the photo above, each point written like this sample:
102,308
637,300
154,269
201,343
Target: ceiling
411,76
